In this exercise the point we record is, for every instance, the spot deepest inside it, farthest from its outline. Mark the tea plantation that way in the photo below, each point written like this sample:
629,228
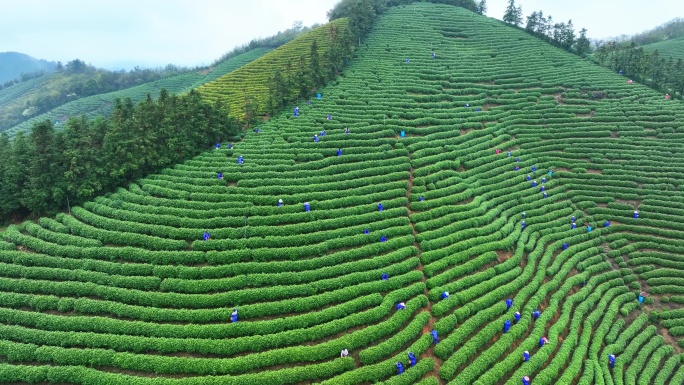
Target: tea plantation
249,84
124,290
669,48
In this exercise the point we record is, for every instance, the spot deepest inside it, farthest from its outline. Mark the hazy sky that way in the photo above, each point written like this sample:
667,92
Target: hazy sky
123,33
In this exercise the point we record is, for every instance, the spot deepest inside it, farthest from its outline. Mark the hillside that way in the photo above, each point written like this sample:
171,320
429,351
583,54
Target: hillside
124,290
14,64
249,84
103,104
668,48
73,81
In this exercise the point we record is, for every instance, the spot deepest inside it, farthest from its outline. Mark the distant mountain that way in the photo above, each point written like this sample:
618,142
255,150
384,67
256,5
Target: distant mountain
13,64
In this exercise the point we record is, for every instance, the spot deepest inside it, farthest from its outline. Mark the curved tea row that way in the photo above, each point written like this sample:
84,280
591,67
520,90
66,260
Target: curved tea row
126,289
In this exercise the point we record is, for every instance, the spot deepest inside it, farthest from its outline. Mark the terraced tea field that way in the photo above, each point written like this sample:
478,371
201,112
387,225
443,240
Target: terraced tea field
126,291
667,48
250,82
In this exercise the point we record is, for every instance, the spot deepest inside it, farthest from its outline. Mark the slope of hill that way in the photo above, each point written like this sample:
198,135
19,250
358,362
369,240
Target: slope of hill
103,104
250,83
125,291
668,48
13,64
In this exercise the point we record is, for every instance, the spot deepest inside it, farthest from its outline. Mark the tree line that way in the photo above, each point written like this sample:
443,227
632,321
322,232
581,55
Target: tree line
560,34
650,68
47,169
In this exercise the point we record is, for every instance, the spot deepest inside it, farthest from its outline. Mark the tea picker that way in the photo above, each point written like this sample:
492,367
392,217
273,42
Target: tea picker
412,358
543,341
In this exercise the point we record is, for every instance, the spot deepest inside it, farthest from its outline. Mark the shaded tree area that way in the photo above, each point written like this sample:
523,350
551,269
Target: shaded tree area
561,34
47,169
650,68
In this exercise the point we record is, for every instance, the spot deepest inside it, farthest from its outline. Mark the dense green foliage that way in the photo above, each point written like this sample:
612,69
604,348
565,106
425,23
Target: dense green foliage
124,290
47,169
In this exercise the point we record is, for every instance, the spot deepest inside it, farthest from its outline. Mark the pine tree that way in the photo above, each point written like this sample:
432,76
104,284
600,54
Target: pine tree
582,45
513,14
315,65
482,7
16,174
41,192
509,15
533,22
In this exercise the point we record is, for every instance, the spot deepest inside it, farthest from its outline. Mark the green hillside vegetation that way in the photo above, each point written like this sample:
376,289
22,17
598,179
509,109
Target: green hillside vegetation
669,48
75,80
103,104
491,160
246,90
651,57
48,170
